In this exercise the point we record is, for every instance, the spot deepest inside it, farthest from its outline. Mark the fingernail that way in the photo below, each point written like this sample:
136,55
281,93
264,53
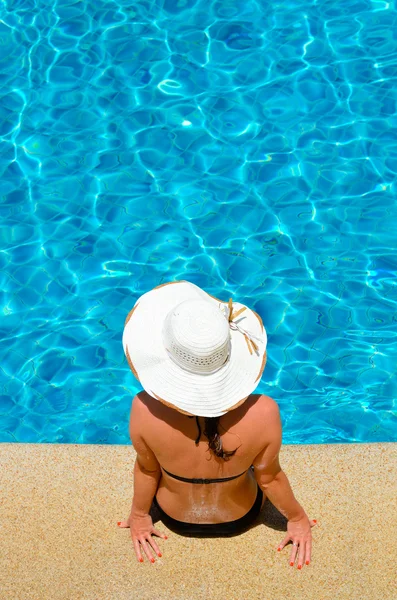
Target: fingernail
315,520
119,523
299,566
141,560
278,549
166,537
307,562
159,554
291,564
152,560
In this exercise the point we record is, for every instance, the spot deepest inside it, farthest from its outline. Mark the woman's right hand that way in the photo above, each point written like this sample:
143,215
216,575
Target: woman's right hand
142,529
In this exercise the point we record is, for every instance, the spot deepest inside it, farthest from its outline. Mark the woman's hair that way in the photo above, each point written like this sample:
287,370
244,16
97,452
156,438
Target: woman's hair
214,439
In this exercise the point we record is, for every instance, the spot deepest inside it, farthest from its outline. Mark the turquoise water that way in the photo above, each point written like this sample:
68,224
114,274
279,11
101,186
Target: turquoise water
248,147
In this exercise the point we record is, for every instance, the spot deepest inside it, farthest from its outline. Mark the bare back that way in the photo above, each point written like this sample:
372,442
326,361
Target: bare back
171,437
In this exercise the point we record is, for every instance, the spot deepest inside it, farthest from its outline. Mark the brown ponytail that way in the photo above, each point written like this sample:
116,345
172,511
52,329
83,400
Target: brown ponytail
214,439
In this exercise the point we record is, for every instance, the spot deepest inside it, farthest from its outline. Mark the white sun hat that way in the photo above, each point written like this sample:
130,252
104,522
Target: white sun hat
193,352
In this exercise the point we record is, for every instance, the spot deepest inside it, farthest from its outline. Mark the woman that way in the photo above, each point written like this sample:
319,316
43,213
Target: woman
196,356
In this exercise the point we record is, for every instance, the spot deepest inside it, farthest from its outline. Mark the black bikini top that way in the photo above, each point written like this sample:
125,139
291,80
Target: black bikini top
201,480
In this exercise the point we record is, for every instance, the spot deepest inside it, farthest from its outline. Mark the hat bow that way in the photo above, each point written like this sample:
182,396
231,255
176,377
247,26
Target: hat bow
247,336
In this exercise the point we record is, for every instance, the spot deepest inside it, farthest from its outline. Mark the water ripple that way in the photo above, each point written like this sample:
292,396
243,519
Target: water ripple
246,147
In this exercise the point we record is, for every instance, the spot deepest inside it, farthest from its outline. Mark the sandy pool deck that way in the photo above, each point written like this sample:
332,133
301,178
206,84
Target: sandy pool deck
60,505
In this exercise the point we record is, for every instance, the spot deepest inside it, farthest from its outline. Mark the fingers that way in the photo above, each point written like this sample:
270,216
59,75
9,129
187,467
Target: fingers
154,546
300,536
284,542
308,552
147,549
302,550
294,552
159,534
138,542
144,541
147,544
137,549
301,555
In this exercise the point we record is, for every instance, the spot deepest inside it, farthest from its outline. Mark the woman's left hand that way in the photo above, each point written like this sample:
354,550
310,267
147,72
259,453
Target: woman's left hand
299,532
142,529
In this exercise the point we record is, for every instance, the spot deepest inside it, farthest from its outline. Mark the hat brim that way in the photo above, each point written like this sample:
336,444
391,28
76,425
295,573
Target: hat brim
208,395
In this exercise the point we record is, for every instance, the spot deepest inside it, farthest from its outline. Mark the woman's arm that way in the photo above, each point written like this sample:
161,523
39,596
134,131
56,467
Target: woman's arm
147,470
275,485
145,487
147,473
267,470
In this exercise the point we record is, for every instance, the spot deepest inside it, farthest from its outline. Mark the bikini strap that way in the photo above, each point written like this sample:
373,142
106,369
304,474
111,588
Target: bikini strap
197,480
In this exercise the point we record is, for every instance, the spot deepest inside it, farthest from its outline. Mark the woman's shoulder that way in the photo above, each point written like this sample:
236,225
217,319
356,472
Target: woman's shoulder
264,409
152,413
143,408
249,417
149,409
143,400
264,403
261,402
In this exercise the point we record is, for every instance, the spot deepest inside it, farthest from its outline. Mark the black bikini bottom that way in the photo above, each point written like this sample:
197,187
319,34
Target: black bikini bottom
213,529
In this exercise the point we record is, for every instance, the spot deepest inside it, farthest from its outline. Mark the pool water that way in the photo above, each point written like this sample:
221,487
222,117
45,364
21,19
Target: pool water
247,147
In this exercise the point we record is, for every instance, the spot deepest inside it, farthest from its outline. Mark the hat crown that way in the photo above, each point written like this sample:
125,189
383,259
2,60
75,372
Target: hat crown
197,337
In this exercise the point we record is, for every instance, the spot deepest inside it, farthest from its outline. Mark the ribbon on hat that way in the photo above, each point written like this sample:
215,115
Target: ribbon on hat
248,336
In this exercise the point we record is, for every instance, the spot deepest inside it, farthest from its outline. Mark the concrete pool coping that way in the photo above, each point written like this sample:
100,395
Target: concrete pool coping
60,504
